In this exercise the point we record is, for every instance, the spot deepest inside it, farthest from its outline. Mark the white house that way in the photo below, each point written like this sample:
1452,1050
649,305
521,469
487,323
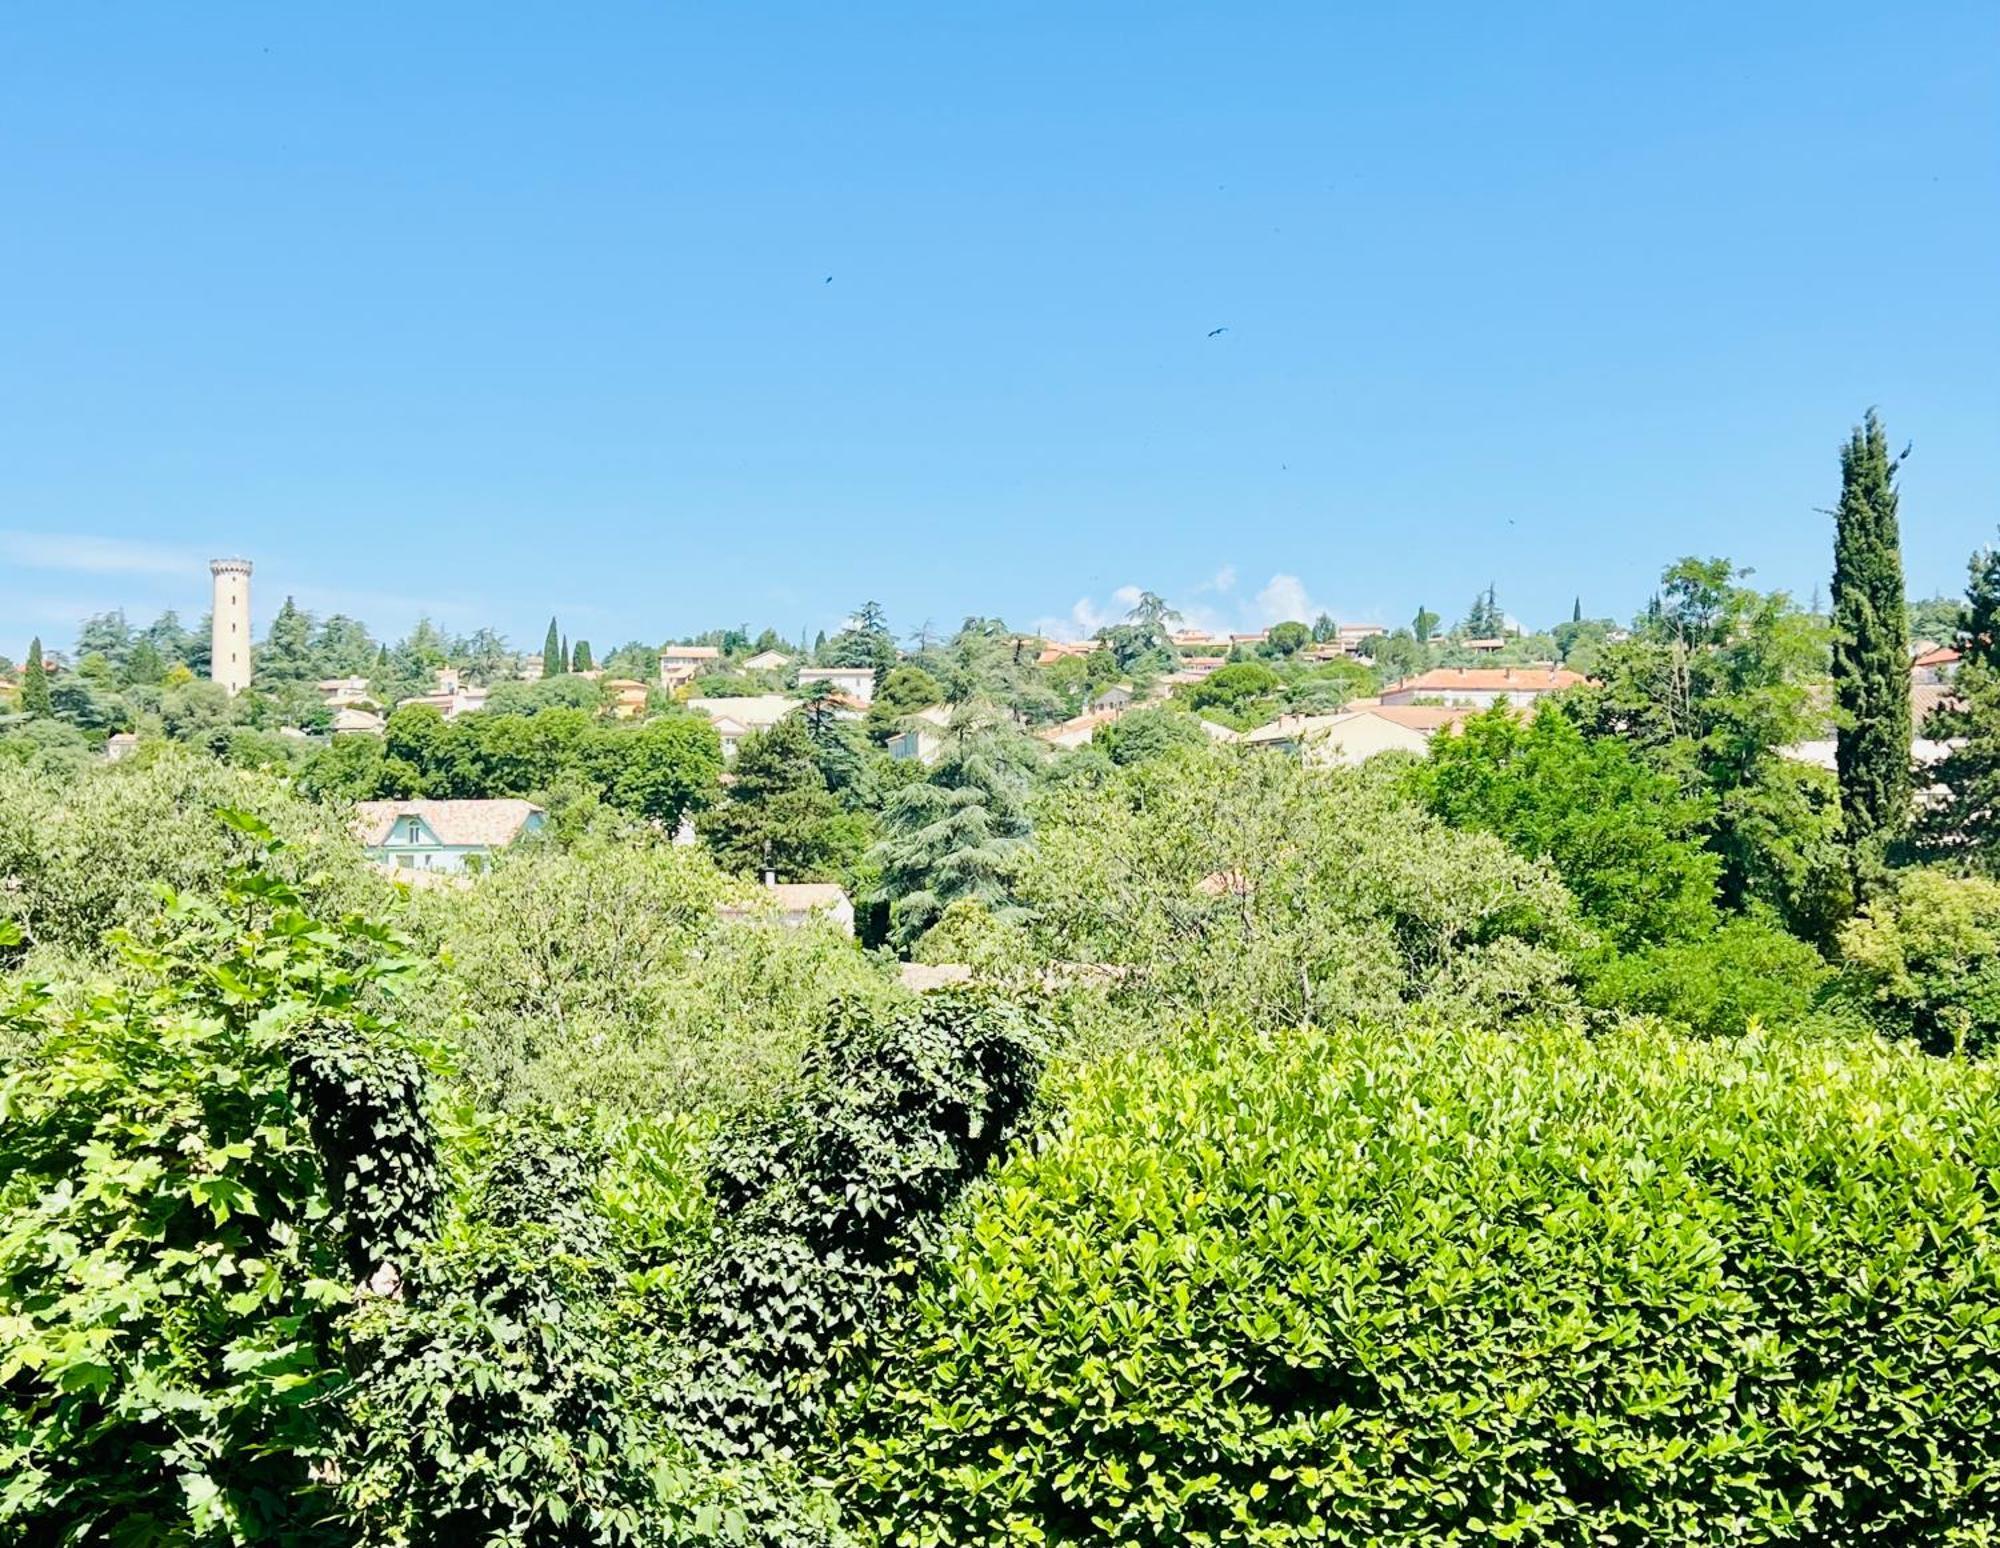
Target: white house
922,736
768,661
1355,735
346,692
348,720
684,663
858,683
737,718
441,835
1482,687
1117,697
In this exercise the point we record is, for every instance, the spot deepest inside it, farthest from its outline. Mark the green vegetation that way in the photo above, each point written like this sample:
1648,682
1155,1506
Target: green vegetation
1582,1134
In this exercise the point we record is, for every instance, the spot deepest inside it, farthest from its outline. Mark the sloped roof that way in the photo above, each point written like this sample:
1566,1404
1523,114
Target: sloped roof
690,653
1490,680
754,712
483,823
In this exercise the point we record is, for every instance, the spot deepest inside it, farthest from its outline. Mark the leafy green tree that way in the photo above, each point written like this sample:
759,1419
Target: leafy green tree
1289,638
777,811
1978,630
1871,680
177,647
1483,620
201,1164
1923,960
342,648
953,838
144,667
105,634
1235,687
1624,837
580,656
552,658
905,690
287,654
1147,733
1424,625
35,682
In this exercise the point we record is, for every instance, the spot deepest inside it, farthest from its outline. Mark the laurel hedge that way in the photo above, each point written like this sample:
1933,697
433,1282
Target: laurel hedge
1450,1286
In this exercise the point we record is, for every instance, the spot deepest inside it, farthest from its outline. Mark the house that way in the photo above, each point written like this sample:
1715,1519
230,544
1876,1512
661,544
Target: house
1351,637
1482,687
1259,638
793,904
1924,752
1488,647
345,692
441,835
1217,733
858,683
1939,664
1353,736
922,736
768,661
1117,697
737,718
451,702
351,720
1079,731
681,664
1196,639
119,746
1053,651
626,697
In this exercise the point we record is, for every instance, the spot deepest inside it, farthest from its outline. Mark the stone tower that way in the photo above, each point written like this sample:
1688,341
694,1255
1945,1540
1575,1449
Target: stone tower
229,625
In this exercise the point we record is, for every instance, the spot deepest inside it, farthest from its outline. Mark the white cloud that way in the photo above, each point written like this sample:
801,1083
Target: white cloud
1283,598
1223,579
84,554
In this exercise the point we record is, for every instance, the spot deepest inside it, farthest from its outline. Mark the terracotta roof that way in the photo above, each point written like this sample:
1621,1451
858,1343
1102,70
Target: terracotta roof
1418,717
1942,655
486,823
1490,680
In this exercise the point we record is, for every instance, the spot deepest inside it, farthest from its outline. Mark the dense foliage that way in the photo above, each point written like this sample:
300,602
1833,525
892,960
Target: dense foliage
1446,1285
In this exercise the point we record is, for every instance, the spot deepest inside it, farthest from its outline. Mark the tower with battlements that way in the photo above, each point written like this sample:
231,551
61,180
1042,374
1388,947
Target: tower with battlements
229,625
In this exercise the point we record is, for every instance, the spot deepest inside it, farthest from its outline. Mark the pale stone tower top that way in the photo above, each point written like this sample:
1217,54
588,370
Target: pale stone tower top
229,625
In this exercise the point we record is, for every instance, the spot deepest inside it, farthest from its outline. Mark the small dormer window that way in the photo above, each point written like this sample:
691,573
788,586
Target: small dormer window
412,830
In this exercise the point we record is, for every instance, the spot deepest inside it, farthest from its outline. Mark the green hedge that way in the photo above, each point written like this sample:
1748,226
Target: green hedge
1446,1286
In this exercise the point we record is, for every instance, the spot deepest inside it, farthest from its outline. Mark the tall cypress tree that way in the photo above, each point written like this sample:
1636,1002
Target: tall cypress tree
579,656
35,682
562,655
552,663
1871,664
1576,611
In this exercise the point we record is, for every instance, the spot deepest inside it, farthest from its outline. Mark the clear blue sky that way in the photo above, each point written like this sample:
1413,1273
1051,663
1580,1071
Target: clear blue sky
498,311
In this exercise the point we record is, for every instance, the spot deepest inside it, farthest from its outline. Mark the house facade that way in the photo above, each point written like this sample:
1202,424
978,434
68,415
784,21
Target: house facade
681,664
441,835
857,683
1482,687
737,718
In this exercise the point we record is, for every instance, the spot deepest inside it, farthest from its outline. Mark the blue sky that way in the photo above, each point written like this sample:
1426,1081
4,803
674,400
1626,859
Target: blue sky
497,311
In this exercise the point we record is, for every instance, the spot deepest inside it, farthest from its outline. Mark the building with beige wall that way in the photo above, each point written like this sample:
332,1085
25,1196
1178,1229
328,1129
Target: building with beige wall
229,625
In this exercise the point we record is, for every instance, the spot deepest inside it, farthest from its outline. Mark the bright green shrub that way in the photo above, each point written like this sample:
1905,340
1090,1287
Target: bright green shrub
1923,960
1746,970
1445,1286
196,1170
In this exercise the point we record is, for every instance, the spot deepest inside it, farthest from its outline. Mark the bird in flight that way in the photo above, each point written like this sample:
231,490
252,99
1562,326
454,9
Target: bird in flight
1212,332
828,280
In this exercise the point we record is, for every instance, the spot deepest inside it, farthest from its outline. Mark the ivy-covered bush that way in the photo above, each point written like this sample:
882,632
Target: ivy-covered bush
825,1202
1923,960
198,1168
1463,1286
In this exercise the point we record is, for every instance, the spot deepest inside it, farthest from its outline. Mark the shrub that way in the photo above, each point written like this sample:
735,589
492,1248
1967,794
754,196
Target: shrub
1223,883
196,1169
86,853
1747,970
1455,1286
822,1203
1923,960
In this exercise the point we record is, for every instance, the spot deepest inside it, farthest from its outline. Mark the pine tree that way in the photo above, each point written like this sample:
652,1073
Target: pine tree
35,682
580,656
1871,669
552,664
1978,636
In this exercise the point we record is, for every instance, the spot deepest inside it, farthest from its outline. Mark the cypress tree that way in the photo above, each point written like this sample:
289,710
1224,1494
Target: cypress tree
35,682
552,652
579,656
562,655
1871,667
1576,611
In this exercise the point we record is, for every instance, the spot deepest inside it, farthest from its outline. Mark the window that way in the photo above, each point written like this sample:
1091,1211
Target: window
413,831
406,861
